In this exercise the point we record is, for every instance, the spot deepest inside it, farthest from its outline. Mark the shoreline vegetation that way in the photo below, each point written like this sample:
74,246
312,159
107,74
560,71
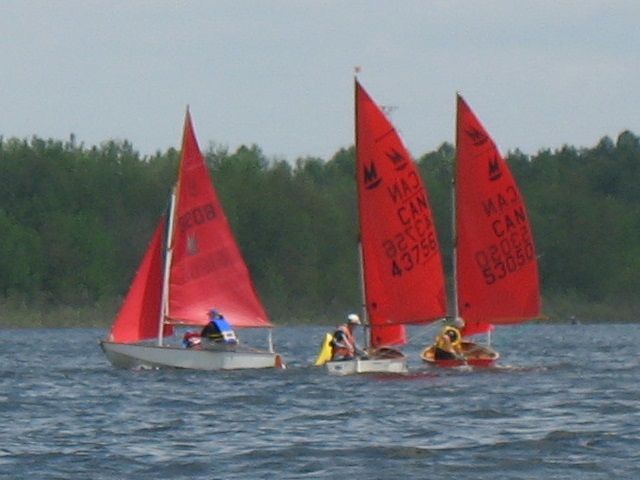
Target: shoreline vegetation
76,221
557,310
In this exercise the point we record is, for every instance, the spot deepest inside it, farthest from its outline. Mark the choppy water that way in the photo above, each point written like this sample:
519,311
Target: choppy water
563,405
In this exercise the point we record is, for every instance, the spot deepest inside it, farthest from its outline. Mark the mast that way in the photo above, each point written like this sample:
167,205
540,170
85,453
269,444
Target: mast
363,288
164,307
363,296
454,217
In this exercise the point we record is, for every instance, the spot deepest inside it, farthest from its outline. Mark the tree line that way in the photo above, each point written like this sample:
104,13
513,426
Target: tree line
76,220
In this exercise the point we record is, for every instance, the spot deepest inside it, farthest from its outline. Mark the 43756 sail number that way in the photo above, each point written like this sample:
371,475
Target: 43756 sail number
407,250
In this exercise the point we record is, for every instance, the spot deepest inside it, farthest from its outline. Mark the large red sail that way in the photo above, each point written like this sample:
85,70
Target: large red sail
139,316
207,268
403,276
497,269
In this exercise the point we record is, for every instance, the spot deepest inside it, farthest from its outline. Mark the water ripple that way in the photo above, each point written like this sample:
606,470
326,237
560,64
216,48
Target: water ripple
562,404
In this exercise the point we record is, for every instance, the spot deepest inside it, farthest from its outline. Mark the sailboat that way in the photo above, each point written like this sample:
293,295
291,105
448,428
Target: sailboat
402,278
495,264
191,266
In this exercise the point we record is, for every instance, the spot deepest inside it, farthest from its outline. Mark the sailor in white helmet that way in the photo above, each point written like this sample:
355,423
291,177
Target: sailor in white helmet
344,341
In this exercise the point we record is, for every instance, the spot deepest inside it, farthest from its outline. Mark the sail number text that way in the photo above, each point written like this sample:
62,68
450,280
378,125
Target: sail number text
411,247
510,253
197,216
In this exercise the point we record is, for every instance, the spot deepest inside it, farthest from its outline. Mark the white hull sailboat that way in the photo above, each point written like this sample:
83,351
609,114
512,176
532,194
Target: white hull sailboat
402,278
141,356
191,266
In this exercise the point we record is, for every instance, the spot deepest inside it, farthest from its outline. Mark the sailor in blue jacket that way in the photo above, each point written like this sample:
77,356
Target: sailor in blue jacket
219,330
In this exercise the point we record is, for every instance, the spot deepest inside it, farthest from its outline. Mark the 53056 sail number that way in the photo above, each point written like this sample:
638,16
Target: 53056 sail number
509,254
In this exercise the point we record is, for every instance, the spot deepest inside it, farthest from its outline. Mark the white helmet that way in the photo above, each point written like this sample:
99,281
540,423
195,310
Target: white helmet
354,319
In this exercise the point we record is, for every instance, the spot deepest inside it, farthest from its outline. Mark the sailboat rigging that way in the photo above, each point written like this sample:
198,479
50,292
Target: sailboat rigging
495,264
192,265
402,277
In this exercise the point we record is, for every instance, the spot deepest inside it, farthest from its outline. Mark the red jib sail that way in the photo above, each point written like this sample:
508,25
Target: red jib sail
139,317
402,266
207,268
497,269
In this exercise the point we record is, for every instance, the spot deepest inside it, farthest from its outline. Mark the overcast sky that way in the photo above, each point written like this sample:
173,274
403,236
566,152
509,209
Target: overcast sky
279,73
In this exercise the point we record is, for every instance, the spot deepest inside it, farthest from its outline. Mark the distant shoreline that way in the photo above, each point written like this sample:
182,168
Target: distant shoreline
559,310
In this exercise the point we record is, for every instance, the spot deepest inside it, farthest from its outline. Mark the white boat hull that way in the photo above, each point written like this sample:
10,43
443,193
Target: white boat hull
135,355
351,367
385,360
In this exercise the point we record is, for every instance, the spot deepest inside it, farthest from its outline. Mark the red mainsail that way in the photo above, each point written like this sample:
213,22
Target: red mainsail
207,268
402,265
139,316
497,269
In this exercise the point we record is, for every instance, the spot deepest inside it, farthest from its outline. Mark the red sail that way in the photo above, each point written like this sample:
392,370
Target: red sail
403,276
207,268
139,317
476,327
381,334
497,269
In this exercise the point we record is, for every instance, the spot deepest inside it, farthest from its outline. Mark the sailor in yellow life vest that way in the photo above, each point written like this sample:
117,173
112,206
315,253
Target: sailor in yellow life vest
448,344
344,342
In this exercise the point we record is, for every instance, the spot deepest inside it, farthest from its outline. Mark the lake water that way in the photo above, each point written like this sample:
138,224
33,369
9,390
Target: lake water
564,404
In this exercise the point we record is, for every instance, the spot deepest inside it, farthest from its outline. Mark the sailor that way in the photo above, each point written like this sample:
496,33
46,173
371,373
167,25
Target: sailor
219,330
344,342
448,344
191,339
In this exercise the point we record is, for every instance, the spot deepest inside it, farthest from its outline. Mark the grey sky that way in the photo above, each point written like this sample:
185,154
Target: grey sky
279,73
